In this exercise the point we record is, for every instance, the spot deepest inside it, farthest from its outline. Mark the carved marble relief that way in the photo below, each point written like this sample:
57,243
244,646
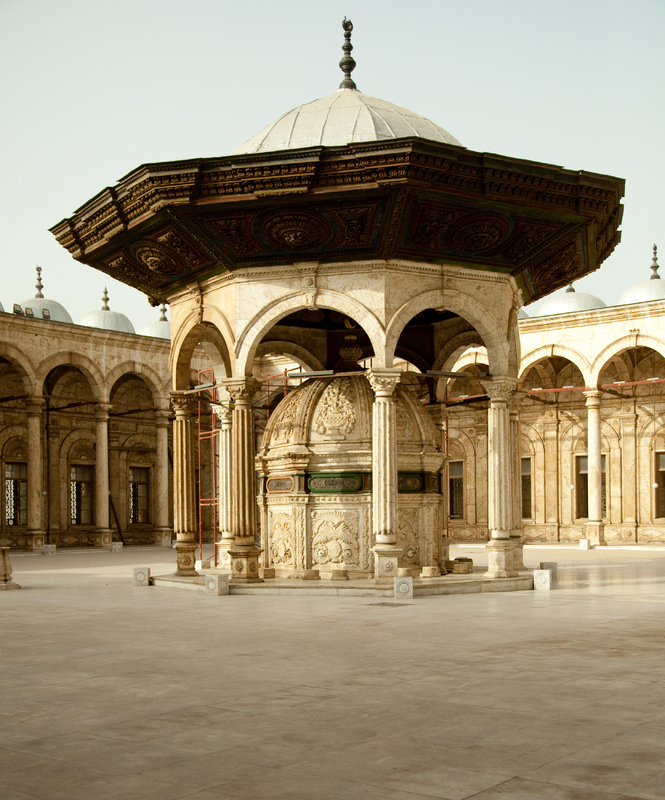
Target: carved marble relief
282,539
336,415
408,538
335,538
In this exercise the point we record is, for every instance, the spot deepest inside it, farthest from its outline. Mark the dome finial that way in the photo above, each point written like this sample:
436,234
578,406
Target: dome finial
654,265
162,309
347,64
39,285
569,288
105,301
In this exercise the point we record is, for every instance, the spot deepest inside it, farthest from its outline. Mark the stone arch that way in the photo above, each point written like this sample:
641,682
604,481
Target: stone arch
295,351
158,389
256,328
13,432
85,365
629,342
23,366
182,349
547,351
465,306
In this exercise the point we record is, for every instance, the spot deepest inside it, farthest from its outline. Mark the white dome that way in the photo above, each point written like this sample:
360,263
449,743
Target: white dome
345,116
2,308
644,291
106,319
522,314
568,302
160,329
37,304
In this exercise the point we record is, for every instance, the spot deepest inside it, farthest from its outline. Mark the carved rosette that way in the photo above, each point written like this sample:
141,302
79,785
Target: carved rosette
158,257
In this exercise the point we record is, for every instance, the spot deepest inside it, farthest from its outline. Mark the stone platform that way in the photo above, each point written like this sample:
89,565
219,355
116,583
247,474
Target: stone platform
472,583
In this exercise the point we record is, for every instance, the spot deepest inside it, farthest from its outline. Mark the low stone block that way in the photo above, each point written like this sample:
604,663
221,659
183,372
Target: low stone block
116,547
542,580
204,563
216,584
266,572
405,572
462,566
141,576
310,575
552,567
6,581
49,549
339,575
430,572
403,588
585,544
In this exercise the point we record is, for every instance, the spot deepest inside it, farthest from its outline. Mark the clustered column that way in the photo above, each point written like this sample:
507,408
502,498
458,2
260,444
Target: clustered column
384,474
162,528
244,553
225,539
595,529
35,531
103,534
184,492
500,479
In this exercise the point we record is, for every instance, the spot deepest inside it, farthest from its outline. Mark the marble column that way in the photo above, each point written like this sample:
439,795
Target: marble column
35,466
184,490
594,529
161,498
384,474
444,547
516,451
225,535
244,554
500,493
103,535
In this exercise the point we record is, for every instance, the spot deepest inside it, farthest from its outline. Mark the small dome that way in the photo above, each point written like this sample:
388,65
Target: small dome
106,319
160,329
339,119
35,306
644,291
569,302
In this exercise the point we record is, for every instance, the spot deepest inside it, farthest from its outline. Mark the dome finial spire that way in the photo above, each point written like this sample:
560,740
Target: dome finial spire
347,64
105,301
654,265
569,288
39,285
162,309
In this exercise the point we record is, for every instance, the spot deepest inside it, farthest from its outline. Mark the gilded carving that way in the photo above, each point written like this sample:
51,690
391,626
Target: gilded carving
157,258
235,233
336,414
175,242
356,224
477,233
296,231
335,537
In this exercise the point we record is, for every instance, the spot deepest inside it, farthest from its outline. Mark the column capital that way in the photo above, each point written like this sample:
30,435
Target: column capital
224,414
383,381
183,403
241,390
102,411
592,397
516,402
501,389
162,418
34,405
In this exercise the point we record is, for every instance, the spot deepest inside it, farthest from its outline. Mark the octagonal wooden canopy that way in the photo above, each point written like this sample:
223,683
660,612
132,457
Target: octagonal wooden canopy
167,225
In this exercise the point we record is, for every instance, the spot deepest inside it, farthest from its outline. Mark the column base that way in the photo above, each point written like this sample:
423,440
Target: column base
386,557
185,559
245,564
223,557
500,558
38,541
103,538
595,533
518,553
163,537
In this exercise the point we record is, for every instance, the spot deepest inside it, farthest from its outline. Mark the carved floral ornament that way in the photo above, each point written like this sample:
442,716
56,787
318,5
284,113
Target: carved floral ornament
383,382
183,404
158,258
296,231
242,390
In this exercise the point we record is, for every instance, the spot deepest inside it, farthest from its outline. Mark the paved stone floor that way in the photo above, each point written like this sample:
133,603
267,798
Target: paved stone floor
110,691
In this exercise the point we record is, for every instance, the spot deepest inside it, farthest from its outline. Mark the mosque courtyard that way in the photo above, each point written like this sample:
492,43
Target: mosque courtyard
111,691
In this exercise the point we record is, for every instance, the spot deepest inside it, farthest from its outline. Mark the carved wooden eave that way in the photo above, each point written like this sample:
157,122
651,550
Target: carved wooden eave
168,224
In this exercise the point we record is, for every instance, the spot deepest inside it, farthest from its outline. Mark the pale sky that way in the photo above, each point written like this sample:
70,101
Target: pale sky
91,89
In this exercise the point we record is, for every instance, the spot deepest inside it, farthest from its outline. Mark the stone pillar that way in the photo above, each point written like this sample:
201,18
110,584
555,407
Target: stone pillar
103,534
35,467
629,471
225,535
384,474
516,450
161,498
244,553
500,493
444,546
184,492
595,528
